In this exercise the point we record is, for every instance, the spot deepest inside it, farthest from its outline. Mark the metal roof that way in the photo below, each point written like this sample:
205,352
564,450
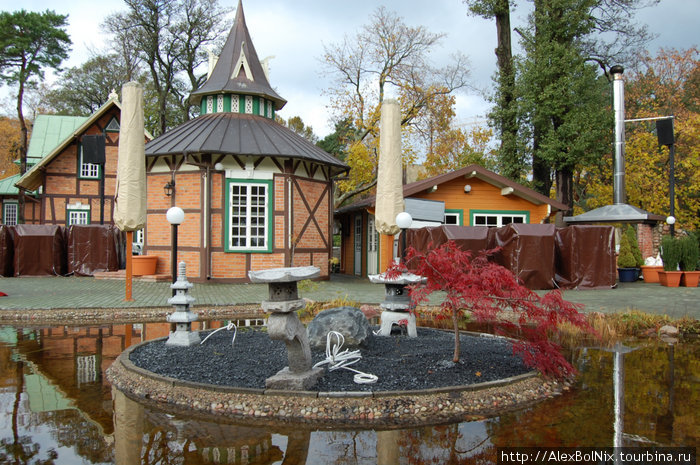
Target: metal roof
239,134
7,185
230,75
49,131
32,179
615,213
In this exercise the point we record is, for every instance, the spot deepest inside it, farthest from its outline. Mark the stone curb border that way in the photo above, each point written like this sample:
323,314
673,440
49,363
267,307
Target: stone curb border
330,409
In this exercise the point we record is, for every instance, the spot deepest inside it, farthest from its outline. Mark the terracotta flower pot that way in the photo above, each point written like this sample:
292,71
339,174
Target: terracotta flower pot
670,278
651,273
691,278
143,265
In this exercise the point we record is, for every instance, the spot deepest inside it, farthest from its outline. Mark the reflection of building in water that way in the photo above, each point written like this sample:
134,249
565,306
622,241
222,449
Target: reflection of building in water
68,364
143,435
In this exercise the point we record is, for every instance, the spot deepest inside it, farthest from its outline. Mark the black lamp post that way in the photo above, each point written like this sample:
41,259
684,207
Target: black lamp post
175,217
664,132
403,221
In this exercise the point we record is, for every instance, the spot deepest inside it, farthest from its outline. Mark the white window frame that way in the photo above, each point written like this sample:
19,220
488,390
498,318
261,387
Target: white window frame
499,217
88,170
456,215
11,210
78,217
241,204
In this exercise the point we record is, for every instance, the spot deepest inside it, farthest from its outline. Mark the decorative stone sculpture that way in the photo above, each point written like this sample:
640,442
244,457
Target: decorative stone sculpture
348,321
182,317
397,303
283,324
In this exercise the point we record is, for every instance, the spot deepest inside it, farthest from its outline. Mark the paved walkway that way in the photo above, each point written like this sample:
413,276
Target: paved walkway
84,292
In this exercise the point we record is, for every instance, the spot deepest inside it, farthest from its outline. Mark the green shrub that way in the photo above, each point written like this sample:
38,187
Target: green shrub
631,234
689,252
670,253
625,259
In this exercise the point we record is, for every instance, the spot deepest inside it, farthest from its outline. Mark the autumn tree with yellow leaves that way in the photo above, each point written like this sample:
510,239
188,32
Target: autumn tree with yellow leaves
387,54
662,85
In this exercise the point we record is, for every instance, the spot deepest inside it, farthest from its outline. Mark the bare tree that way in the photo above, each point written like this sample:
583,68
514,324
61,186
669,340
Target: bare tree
384,53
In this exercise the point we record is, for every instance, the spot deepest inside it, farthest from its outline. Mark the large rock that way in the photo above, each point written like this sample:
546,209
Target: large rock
348,321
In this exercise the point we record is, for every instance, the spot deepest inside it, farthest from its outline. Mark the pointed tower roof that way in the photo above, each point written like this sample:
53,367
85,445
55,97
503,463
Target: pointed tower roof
238,70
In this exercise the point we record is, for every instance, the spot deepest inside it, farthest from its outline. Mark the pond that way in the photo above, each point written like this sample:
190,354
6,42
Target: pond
58,408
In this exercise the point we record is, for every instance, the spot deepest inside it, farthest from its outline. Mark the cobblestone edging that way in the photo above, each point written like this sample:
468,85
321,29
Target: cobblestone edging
83,316
362,408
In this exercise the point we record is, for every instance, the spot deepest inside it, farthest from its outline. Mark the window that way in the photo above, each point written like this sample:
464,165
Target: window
495,220
113,125
78,217
453,217
249,216
9,214
88,170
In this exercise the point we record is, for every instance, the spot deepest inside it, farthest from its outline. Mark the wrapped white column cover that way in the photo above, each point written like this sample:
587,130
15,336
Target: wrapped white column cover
389,174
130,196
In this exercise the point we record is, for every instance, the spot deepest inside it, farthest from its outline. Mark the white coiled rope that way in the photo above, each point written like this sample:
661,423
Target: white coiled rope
228,327
336,359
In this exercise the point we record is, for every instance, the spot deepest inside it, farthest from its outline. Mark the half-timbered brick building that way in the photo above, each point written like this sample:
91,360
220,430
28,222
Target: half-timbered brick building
255,194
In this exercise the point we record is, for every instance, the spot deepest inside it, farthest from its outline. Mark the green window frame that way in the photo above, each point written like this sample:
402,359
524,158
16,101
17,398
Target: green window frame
498,218
10,212
249,222
454,212
77,216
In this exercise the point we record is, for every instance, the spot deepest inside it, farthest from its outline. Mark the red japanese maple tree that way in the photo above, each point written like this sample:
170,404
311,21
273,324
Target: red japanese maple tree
492,293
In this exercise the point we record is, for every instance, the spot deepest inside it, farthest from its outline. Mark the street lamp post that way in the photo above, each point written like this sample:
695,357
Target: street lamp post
175,217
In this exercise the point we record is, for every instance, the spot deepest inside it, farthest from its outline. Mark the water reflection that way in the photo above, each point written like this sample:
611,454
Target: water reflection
58,407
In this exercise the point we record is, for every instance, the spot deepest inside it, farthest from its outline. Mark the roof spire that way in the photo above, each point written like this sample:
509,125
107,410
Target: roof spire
238,70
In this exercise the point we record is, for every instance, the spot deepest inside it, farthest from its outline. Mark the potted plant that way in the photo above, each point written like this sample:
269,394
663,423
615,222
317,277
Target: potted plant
335,264
631,234
670,254
626,265
690,252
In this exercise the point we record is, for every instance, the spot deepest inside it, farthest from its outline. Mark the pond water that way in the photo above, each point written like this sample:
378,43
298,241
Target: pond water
58,408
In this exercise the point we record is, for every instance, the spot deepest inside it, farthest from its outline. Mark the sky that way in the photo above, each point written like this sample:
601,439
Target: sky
295,32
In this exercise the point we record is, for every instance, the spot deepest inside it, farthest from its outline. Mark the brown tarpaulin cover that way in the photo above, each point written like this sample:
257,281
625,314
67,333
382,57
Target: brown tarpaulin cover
6,251
528,251
581,257
39,250
92,248
474,238
585,257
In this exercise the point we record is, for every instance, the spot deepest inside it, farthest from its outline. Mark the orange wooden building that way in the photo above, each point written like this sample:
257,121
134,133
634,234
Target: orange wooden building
470,196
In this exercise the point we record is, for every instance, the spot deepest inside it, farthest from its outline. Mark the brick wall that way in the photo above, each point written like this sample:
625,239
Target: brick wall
227,265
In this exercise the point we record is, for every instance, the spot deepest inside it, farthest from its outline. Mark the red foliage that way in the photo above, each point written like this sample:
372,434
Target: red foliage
492,293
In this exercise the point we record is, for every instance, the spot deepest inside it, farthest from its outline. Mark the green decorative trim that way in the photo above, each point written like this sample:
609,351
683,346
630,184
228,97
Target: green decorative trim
525,213
259,105
459,212
269,206
256,105
69,210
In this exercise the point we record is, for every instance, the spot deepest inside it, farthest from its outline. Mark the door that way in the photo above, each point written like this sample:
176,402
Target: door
372,247
358,245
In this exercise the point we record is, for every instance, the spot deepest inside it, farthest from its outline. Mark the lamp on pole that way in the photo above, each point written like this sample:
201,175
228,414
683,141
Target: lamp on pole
403,221
175,217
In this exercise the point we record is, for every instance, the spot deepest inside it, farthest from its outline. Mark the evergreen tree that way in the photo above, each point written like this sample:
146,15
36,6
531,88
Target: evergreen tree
29,43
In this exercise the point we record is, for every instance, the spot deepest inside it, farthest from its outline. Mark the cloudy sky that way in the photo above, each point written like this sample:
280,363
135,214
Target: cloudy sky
294,32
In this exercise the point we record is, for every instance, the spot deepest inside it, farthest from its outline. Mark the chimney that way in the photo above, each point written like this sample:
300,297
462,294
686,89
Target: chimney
619,196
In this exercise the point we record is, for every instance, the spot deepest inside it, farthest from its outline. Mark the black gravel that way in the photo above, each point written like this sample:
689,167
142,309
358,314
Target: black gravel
400,362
